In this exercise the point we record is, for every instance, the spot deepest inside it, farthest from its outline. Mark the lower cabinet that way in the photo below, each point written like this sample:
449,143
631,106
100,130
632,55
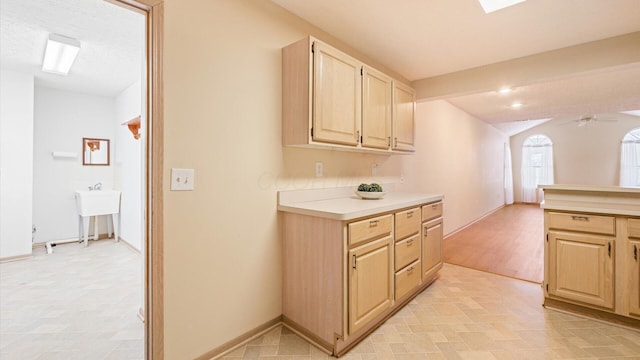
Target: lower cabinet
634,278
370,281
581,268
342,279
431,248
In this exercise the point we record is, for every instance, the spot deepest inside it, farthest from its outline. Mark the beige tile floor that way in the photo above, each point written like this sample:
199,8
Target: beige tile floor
469,314
76,303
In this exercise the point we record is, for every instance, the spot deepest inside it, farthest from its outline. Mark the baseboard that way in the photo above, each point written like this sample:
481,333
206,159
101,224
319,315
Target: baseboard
128,245
241,340
15,258
474,221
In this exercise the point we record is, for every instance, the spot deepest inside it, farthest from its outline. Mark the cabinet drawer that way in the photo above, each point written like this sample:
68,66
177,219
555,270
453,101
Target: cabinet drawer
634,228
583,222
432,211
407,251
407,279
407,223
369,229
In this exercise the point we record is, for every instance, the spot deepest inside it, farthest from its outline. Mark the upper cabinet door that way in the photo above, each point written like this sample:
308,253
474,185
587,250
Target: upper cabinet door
337,96
376,109
403,117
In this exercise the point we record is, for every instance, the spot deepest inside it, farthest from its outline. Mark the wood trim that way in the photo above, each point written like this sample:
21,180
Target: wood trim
241,340
590,313
153,246
307,335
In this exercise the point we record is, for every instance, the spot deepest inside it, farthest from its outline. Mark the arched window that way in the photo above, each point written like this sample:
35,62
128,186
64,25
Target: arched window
630,159
537,166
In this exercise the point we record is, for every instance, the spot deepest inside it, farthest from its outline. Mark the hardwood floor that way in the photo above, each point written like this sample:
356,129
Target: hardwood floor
507,242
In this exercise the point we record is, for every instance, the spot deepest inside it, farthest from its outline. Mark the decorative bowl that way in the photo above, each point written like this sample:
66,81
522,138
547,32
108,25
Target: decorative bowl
370,194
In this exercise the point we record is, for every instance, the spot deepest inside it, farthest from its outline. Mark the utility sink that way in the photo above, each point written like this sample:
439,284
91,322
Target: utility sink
94,203
97,202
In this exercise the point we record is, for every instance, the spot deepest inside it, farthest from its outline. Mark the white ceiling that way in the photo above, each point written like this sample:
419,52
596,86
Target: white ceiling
112,42
424,38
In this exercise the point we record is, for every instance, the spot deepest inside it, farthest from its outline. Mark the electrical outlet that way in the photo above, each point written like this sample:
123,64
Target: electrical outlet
319,169
182,179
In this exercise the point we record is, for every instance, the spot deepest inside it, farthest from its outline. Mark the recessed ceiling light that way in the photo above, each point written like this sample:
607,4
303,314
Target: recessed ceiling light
516,105
60,54
505,90
494,5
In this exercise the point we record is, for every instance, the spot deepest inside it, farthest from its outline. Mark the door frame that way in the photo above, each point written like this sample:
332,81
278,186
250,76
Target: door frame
153,10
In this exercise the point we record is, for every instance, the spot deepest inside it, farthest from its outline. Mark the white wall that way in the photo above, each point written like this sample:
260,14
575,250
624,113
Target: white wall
588,155
62,119
16,163
222,252
129,159
459,156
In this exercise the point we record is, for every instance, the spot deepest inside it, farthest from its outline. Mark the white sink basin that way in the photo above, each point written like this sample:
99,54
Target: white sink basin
97,202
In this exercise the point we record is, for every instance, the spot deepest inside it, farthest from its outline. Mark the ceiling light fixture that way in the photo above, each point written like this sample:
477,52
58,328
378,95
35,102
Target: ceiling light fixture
516,105
490,6
60,54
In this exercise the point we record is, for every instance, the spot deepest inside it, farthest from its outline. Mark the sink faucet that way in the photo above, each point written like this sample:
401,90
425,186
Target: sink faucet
97,186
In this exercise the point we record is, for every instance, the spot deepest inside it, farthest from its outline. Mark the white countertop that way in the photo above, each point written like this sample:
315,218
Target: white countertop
343,204
612,200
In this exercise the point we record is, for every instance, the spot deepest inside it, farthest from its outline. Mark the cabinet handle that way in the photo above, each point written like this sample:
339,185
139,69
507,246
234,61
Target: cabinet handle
635,253
374,222
410,269
354,261
609,249
580,218
409,242
434,206
396,142
409,214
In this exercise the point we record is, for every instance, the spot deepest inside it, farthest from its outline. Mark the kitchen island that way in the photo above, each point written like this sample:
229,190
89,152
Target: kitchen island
592,245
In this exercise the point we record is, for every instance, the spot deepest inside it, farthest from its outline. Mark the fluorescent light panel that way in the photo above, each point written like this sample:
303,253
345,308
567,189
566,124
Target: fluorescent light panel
490,6
60,54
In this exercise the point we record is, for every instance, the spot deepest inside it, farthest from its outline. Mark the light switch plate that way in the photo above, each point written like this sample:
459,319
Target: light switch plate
182,179
319,169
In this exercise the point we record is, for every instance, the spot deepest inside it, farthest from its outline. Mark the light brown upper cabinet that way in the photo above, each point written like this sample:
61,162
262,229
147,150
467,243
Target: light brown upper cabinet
336,96
376,109
330,99
403,117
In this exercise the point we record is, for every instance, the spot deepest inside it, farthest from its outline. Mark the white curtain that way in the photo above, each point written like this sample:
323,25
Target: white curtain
629,162
508,175
537,167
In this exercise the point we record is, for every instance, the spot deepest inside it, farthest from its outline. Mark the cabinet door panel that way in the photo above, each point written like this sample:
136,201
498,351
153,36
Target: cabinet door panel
403,117
376,109
581,268
634,277
370,282
634,228
337,96
431,248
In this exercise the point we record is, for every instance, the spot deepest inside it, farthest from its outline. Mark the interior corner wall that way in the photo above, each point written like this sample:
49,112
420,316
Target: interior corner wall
222,118
62,119
16,163
459,156
586,155
128,165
